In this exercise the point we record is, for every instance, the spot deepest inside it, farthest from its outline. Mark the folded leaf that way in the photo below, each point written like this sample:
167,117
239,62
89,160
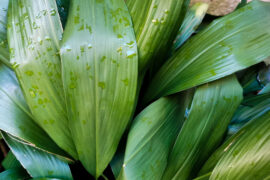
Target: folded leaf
15,117
151,136
99,63
229,44
247,156
156,23
212,108
34,32
192,20
38,163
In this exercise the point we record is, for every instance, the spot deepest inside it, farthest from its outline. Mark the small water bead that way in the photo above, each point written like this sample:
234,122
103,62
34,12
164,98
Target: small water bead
89,46
101,85
52,12
131,54
32,93
155,21
29,73
119,50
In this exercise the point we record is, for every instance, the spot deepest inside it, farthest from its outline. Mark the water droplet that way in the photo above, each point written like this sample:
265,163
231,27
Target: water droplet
155,21
103,59
119,36
89,46
166,11
72,86
131,54
52,12
82,49
29,73
119,50
125,81
40,101
32,93
101,85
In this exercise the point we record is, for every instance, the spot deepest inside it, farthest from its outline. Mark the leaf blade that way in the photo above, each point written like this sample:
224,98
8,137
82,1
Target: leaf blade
232,43
104,79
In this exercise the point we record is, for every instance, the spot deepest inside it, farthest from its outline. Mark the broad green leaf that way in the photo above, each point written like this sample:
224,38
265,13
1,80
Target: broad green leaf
229,44
4,55
46,179
99,64
14,174
156,23
34,32
151,136
192,20
212,108
37,163
15,117
10,161
248,156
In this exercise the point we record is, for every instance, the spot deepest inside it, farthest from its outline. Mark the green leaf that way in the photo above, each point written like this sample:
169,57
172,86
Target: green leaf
192,20
229,44
4,55
151,136
212,108
38,163
14,174
15,117
156,23
99,63
249,115
34,32
247,155
10,161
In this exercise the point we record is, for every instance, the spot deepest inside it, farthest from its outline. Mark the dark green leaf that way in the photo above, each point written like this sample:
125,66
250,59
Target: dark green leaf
229,44
212,108
99,63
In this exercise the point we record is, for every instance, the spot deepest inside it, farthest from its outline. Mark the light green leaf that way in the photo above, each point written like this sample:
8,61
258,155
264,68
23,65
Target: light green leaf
151,136
10,161
15,117
4,55
14,174
156,23
38,163
212,108
229,44
99,63
192,20
34,32
247,154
